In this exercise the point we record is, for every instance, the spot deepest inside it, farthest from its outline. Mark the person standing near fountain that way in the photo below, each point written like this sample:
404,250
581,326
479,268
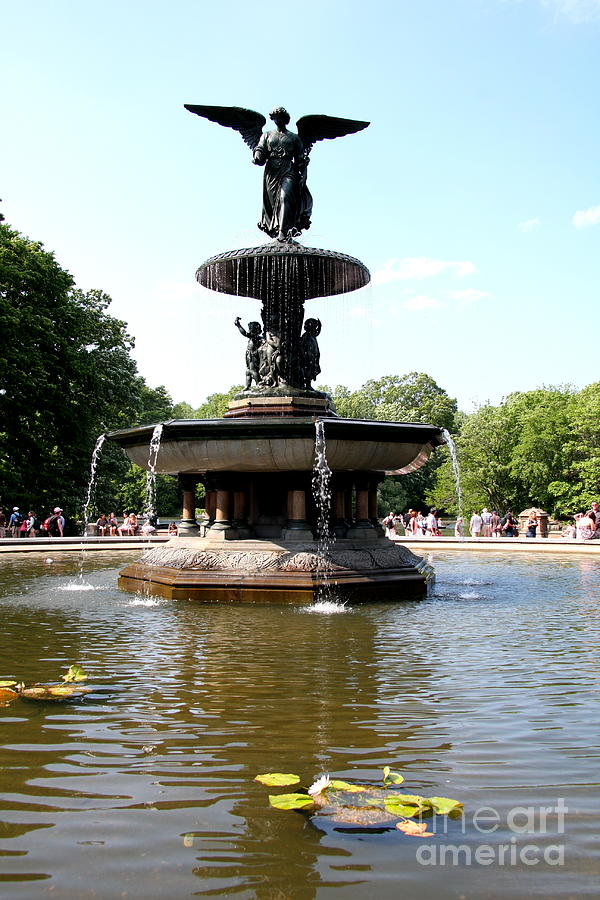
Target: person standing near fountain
475,525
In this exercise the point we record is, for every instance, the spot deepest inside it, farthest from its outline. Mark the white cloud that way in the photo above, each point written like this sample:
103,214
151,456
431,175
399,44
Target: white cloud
583,218
469,295
578,11
419,267
529,224
422,301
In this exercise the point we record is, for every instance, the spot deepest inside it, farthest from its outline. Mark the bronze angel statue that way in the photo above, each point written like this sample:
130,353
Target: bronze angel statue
287,203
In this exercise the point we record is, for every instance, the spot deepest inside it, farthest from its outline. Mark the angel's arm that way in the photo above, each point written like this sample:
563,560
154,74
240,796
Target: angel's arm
261,151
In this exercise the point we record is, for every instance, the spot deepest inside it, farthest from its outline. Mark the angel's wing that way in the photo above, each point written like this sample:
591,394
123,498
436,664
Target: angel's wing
249,123
317,128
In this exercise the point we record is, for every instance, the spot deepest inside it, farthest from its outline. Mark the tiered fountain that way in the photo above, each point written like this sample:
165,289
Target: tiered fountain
269,537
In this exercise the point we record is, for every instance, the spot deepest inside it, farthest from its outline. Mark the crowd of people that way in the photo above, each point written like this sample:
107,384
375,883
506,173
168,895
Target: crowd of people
490,524
19,524
414,524
586,526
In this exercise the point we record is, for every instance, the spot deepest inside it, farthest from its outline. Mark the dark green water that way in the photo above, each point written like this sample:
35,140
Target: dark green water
487,692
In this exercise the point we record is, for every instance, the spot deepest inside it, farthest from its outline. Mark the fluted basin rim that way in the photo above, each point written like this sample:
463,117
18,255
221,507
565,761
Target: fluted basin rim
273,444
235,271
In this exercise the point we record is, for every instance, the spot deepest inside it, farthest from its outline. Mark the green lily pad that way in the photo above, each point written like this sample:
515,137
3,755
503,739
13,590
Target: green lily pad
401,809
290,801
74,673
390,777
444,805
277,779
346,786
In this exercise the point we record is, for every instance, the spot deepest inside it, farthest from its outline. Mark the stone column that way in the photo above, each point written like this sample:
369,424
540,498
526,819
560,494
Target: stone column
188,526
240,511
298,528
340,489
223,527
362,529
210,500
373,517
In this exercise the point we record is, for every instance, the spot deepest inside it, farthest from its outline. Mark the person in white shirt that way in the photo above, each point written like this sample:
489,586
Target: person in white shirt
475,525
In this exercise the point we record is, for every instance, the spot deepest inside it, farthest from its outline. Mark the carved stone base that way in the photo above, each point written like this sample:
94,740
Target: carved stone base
278,572
285,403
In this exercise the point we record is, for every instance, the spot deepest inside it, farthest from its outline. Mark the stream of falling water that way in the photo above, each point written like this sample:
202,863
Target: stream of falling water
455,467
150,507
321,486
79,584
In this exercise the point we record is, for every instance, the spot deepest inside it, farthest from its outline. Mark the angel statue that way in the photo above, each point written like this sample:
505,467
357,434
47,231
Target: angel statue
287,203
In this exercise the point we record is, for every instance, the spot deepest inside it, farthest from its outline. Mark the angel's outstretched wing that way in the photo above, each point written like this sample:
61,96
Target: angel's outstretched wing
249,123
317,128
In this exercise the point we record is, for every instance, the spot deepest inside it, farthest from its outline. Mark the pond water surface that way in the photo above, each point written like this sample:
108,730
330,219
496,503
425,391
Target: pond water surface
485,692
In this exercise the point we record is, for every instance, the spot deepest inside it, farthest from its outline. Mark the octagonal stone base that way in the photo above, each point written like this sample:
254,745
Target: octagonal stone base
260,571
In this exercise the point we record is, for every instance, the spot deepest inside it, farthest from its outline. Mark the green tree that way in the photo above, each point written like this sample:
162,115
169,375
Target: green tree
513,455
215,405
67,376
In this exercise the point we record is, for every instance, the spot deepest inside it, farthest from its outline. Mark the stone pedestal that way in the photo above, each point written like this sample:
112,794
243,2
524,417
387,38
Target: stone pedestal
281,571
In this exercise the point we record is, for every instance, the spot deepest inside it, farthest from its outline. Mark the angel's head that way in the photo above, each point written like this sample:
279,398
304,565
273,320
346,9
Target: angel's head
279,114
313,327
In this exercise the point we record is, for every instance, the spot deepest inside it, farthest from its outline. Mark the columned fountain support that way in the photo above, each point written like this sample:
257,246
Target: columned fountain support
188,526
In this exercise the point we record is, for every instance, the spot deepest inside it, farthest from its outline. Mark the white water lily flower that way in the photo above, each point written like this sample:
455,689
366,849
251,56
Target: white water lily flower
319,785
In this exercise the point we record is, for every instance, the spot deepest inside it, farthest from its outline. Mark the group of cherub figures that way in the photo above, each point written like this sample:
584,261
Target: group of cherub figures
264,355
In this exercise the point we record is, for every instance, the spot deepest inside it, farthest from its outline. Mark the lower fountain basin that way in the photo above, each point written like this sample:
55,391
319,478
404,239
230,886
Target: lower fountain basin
277,444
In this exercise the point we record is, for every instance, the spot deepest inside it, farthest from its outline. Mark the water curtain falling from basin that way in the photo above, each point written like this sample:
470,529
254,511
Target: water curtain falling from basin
455,467
92,481
321,486
153,452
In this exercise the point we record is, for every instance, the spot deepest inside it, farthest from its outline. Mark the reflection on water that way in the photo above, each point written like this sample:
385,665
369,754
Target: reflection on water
484,691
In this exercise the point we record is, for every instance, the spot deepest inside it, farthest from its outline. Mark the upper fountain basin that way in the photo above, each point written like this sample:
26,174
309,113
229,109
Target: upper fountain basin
277,444
303,272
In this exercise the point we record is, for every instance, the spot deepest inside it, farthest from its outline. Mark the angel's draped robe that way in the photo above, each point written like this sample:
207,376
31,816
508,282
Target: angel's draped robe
281,152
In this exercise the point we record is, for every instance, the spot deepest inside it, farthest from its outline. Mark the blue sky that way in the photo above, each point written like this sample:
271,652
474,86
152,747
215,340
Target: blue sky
473,197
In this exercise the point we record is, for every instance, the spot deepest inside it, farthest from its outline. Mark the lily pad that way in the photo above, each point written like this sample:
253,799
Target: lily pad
74,673
390,777
277,779
54,691
346,786
444,805
414,829
291,801
399,809
7,696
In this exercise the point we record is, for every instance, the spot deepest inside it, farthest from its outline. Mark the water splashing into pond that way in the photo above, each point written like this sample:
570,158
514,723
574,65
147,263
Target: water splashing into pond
80,584
89,496
321,486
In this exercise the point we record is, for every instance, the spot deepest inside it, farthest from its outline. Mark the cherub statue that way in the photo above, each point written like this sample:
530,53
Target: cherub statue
255,339
287,203
310,355
270,361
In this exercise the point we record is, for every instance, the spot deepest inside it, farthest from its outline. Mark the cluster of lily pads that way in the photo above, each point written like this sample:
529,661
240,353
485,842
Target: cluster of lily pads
362,804
11,689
